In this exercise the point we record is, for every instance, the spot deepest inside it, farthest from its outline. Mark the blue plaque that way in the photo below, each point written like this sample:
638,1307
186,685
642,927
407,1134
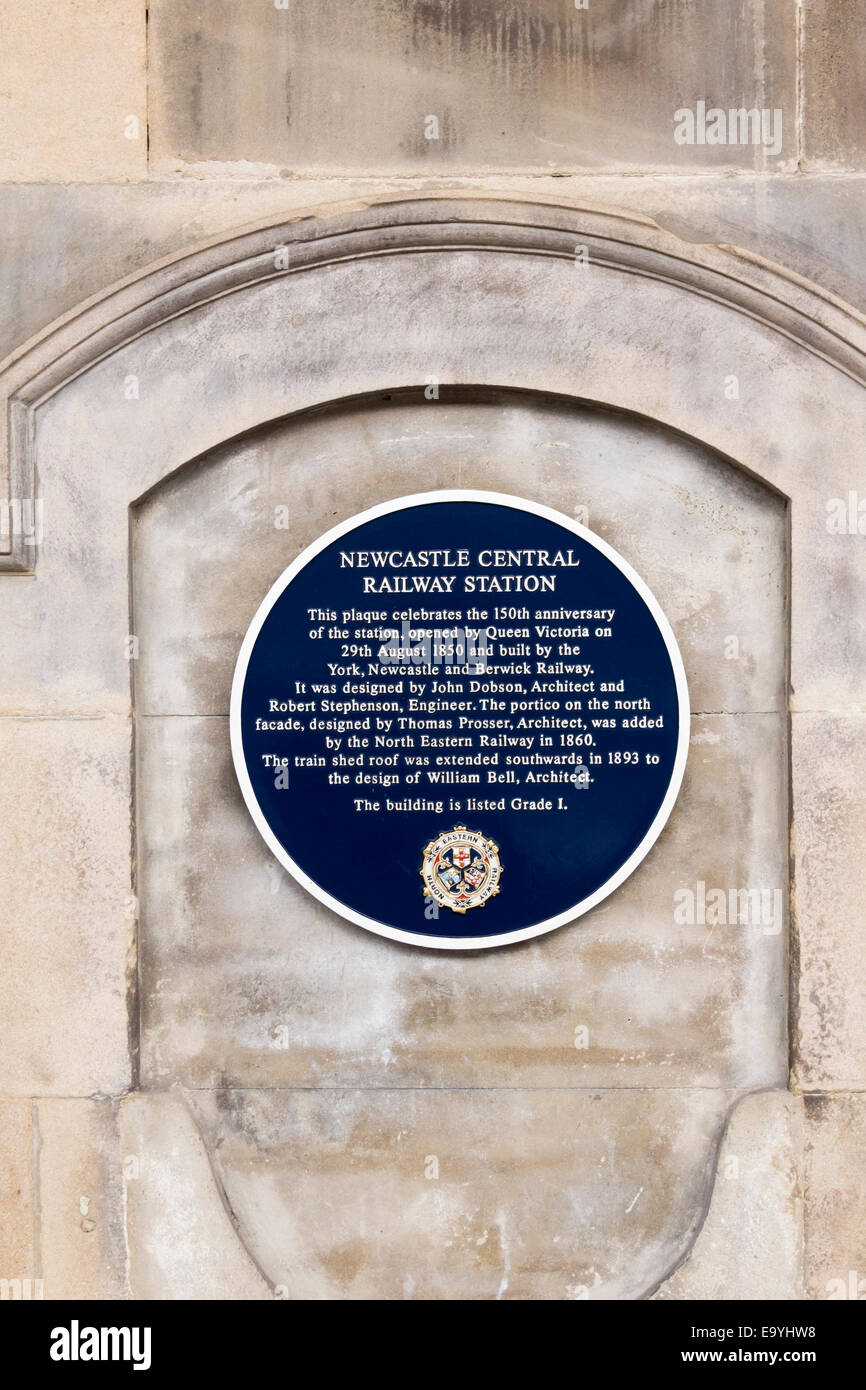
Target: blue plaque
459,719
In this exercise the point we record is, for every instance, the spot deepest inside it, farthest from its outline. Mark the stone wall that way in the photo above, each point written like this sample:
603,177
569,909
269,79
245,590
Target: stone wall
156,1141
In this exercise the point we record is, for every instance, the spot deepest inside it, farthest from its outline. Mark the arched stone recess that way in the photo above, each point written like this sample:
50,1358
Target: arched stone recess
730,388
453,1100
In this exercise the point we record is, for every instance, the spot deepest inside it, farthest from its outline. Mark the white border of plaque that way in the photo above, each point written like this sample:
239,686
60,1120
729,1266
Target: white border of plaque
466,943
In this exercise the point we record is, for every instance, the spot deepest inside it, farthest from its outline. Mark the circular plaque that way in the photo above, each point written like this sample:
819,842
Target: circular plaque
459,719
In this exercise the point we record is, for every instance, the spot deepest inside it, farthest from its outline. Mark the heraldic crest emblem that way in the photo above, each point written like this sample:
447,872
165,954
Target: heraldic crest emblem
461,869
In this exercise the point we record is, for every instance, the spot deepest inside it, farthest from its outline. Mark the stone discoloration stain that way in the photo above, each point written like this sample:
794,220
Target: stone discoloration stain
326,1169
517,85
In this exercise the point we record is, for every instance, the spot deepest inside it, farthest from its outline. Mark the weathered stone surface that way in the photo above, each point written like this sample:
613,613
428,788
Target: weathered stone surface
65,905
81,1211
829,779
834,52
489,321
796,423
248,980
751,1243
828,634
17,1246
71,76
431,1195
238,87
182,1244
835,1178
209,544
66,638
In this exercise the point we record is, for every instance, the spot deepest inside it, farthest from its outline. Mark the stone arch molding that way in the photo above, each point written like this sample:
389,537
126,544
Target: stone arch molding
596,305
592,305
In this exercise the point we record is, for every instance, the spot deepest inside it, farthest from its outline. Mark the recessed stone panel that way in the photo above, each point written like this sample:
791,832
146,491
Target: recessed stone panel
247,980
